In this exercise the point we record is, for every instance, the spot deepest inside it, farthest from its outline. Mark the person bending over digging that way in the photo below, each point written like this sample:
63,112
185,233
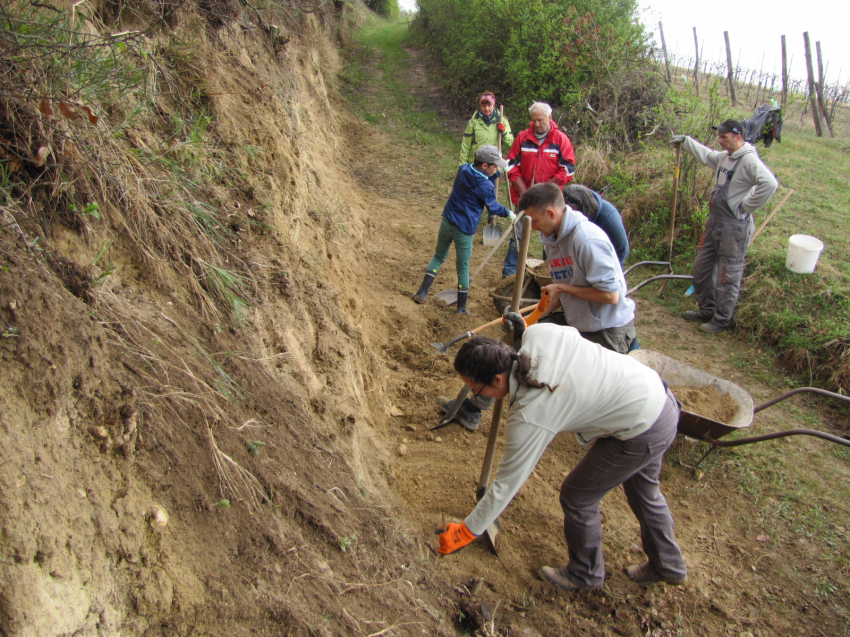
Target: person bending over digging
588,283
473,189
742,185
559,381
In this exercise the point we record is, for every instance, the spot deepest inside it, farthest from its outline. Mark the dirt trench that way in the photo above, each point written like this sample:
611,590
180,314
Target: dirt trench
113,412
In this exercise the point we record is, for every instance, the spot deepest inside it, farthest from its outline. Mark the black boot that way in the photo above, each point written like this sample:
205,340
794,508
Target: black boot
419,297
462,295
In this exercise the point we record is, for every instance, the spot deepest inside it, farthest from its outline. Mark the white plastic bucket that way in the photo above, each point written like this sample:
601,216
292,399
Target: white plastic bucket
803,253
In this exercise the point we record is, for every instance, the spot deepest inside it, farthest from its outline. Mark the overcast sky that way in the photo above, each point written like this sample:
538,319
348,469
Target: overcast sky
755,28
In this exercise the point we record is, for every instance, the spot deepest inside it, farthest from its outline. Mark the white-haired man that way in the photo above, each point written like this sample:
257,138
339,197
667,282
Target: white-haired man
542,153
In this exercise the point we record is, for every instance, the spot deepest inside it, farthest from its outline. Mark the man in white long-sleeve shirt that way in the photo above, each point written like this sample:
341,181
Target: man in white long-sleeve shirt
742,185
559,381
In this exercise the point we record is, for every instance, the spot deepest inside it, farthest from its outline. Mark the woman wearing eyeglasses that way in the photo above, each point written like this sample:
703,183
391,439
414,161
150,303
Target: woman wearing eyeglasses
558,382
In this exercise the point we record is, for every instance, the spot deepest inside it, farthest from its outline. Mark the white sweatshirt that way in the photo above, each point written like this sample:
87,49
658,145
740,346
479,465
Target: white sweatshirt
600,393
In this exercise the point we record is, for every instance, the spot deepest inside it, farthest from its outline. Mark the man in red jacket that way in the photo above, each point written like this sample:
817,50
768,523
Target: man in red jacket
539,154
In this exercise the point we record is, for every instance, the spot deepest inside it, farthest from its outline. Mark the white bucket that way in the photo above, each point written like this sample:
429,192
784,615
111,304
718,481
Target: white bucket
803,253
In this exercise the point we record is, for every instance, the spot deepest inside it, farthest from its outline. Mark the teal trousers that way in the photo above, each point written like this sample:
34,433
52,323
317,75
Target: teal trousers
449,232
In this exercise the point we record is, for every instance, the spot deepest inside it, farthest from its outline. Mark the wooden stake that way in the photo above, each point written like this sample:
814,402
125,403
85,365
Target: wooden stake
730,70
664,51
821,101
696,63
812,95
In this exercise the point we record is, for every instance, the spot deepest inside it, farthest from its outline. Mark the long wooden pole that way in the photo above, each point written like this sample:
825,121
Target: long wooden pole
784,74
821,101
664,51
770,216
730,72
696,63
813,102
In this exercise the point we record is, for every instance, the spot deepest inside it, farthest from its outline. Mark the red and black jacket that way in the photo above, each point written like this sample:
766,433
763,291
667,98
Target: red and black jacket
554,159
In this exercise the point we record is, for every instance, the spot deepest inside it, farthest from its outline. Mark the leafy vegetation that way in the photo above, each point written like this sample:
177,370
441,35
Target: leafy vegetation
588,58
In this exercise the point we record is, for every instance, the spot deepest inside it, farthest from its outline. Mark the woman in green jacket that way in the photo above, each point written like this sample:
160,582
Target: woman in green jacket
483,129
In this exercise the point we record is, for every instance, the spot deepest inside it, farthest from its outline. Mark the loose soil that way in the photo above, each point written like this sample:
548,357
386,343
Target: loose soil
706,401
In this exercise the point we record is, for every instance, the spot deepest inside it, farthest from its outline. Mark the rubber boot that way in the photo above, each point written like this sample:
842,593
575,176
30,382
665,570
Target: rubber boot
419,297
462,295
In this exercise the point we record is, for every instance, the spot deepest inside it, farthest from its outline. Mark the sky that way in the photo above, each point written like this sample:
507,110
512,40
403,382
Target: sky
755,27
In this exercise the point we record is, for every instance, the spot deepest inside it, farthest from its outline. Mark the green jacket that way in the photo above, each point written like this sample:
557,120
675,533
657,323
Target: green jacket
478,134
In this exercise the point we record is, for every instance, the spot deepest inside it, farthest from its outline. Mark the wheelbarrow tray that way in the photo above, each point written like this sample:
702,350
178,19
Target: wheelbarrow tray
677,374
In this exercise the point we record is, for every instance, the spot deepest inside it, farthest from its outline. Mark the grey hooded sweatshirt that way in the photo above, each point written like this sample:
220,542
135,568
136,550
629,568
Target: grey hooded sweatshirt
581,254
752,182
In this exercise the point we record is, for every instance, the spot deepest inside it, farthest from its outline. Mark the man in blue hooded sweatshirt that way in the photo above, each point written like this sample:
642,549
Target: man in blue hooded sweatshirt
473,189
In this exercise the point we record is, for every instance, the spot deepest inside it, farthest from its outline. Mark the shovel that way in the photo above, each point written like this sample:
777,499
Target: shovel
449,297
444,349
494,529
492,232
673,215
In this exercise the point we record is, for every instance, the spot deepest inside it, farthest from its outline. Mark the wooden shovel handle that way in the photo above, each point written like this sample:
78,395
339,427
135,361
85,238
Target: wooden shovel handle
484,479
524,310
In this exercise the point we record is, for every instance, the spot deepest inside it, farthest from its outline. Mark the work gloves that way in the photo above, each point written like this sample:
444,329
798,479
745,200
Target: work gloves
501,127
511,217
513,321
678,139
455,537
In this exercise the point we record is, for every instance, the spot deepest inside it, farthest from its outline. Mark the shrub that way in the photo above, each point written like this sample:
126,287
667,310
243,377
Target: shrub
386,8
588,58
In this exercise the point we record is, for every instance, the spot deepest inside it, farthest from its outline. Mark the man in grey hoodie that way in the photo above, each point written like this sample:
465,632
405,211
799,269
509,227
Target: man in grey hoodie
587,279
742,185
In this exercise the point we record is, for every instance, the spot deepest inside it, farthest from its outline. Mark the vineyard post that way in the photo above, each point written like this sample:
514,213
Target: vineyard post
784,74
821,101
812,96
730,73
664,51
696,63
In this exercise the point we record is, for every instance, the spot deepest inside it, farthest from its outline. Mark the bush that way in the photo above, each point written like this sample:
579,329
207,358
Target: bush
588,58
386,8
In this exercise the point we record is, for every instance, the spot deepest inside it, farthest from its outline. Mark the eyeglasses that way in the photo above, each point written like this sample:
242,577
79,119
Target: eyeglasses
480,389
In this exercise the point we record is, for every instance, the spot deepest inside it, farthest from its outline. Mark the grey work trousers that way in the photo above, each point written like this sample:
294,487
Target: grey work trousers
636,464
617,339
719,266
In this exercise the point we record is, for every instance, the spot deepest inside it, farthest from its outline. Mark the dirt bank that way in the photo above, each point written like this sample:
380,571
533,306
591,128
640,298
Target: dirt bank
287,441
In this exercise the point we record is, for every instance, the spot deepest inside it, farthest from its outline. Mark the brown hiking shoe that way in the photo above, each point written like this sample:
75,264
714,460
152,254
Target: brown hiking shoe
645,574
558,577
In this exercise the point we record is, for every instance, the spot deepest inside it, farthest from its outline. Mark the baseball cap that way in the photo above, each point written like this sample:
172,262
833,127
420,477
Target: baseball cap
730,126
490,155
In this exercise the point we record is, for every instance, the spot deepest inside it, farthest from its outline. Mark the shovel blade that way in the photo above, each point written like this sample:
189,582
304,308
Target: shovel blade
492,534
443,349
492,234
449,297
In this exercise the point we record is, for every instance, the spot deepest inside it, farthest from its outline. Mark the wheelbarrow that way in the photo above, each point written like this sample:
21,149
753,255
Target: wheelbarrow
704,429
537,272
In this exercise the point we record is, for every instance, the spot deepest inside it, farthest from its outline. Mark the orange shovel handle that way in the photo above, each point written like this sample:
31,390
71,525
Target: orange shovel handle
531,319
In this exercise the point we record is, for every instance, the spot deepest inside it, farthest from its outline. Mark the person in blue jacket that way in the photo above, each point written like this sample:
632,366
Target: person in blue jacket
602,213
473,189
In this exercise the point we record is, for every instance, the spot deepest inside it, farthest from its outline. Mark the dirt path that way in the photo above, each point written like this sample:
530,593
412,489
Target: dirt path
746,578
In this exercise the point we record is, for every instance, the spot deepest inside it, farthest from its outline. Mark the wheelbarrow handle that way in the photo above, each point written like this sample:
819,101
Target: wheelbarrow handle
800,390
780,434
